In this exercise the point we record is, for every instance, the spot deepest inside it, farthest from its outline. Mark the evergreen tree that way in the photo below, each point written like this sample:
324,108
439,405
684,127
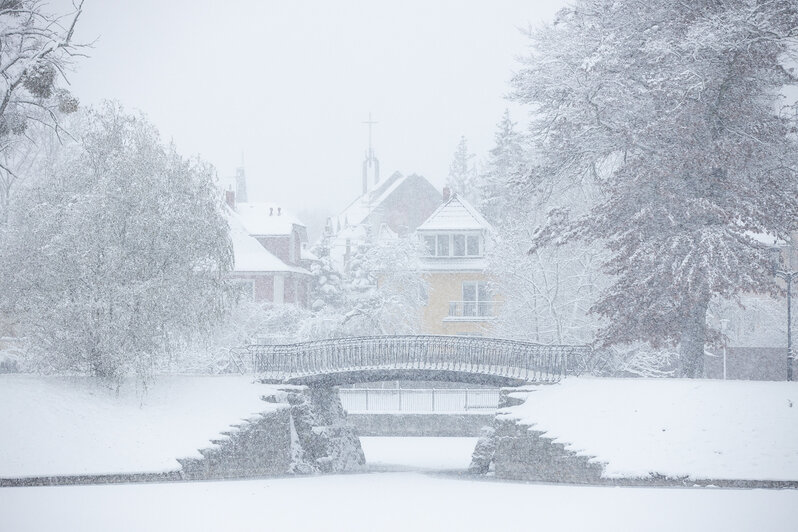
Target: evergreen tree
674,109
462,173
502,165
327,291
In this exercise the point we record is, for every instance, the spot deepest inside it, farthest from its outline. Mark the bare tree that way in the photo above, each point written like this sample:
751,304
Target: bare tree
36,50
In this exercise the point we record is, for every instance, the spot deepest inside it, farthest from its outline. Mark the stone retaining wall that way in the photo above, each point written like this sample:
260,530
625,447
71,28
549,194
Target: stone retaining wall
446,425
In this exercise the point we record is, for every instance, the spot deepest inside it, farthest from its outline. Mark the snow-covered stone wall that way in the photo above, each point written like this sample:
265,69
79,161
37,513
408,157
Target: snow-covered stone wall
307,433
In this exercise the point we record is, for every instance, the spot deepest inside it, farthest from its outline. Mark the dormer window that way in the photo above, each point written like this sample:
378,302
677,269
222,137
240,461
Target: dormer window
452,245
472,248
443,246
458,245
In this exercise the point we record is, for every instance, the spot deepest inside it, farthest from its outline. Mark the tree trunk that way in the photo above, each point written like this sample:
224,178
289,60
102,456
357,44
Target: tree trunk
694,335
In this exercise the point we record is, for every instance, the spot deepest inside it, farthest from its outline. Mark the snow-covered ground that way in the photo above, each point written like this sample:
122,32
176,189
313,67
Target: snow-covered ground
391,501
72,426
418,453
697,428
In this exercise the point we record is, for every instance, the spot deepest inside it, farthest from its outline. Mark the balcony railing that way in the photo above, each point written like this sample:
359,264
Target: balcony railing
473,309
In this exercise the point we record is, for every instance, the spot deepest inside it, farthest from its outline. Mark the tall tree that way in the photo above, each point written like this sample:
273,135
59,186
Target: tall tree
504,162
675,110
462,173
118,255
36,48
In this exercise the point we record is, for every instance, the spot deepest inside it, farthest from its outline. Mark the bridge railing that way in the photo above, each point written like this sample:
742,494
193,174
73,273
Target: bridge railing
504,358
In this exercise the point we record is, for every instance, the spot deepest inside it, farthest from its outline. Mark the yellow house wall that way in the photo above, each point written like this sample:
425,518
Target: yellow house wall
443,288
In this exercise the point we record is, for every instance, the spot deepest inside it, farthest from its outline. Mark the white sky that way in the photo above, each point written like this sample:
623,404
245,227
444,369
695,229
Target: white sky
288,83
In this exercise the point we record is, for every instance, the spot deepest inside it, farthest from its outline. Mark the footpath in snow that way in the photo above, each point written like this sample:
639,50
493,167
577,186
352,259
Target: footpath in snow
701,429
73,426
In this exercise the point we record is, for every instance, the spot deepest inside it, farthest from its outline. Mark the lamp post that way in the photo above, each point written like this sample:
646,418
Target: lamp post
788,278
723,323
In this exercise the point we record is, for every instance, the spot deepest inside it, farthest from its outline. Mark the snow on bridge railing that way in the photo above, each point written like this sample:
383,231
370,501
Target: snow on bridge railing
510,359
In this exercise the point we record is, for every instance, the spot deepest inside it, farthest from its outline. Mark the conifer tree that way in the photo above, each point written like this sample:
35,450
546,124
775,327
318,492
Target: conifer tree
675,110
462,173
502,165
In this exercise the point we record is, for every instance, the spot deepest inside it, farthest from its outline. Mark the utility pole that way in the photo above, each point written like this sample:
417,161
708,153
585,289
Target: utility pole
788,277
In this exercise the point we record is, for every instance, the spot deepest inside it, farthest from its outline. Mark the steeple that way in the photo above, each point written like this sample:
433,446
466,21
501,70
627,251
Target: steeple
371,165
241,185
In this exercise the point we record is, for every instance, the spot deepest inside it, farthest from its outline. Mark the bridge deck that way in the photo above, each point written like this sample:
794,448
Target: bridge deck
429,357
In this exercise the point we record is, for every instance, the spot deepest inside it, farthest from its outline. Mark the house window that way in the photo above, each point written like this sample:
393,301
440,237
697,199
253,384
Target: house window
443,245
429,244
476,299
458,245
472,245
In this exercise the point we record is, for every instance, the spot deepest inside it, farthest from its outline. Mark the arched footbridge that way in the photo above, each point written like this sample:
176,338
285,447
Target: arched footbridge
476,360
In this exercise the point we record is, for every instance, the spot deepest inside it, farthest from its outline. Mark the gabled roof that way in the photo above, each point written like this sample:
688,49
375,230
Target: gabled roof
263,219
249,254
455,214
356,212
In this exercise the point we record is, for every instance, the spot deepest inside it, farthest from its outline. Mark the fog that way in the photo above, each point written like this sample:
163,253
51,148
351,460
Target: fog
287,85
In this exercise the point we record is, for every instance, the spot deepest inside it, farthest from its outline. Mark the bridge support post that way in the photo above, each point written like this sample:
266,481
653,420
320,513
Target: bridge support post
324,441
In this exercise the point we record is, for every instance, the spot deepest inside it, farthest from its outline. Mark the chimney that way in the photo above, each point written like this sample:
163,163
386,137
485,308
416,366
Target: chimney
447,193
230,199
271,211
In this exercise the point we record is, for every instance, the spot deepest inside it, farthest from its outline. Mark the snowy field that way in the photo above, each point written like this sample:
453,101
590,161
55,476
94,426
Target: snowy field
697,428
72,426
391,501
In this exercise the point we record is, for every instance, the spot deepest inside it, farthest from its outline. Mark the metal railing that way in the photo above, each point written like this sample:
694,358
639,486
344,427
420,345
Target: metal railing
509,359
419,400
473,309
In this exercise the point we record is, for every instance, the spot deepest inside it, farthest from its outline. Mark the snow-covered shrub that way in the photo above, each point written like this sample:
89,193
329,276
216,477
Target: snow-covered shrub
636,360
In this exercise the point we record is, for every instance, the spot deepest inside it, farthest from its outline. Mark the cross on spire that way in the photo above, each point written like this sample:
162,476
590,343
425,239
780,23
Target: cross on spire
370,123
371,165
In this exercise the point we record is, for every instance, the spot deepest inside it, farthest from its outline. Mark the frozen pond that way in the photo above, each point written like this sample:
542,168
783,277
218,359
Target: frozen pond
393,501
439,454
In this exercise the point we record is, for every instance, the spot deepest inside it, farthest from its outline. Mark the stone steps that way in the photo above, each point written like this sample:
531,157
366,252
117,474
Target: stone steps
309,433
516,451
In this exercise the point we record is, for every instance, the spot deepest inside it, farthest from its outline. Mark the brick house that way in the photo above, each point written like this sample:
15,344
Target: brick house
269,246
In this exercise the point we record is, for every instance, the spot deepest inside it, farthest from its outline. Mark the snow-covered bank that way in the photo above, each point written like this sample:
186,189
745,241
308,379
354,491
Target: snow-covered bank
391,501
698,428
72,426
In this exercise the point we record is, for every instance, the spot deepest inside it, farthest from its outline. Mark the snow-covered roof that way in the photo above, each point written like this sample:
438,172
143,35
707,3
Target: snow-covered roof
454,215
266,219
249,254
307,254
357,211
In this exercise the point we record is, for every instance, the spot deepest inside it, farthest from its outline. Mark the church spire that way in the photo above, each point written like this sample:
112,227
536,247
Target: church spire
371,165
241,183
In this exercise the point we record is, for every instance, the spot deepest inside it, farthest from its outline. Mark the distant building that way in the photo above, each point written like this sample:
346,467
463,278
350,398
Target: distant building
459,299
395,206
270,250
